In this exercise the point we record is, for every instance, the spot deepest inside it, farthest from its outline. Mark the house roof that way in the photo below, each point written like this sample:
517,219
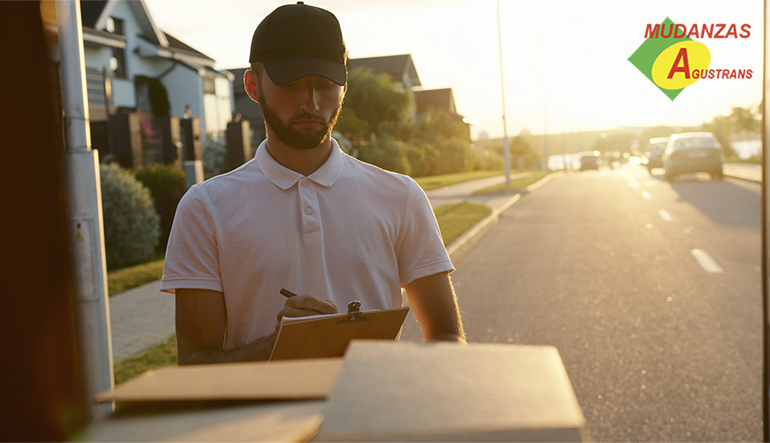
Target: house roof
394,65
178,45
90,11
94,14
435,98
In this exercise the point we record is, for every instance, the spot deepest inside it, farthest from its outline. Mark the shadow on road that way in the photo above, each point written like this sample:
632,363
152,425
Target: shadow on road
722,201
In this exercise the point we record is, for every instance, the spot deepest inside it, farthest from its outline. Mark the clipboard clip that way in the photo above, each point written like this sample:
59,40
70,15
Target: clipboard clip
354,313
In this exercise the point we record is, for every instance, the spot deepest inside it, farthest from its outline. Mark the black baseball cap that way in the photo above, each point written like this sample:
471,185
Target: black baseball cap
299,40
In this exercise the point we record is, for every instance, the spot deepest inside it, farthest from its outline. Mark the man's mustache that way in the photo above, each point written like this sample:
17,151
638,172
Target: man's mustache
306,117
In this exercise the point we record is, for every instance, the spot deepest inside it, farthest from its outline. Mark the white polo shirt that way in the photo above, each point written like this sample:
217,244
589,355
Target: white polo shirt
348,231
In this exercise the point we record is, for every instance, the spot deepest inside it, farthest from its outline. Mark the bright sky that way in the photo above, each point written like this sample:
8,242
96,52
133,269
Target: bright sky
567,56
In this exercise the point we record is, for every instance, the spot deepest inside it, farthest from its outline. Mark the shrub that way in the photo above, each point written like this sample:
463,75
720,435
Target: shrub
167,186
214,154
450,156
489,161
387,154
131,225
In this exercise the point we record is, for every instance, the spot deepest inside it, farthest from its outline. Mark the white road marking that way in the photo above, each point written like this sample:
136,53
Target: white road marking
706,262
665,215
646,195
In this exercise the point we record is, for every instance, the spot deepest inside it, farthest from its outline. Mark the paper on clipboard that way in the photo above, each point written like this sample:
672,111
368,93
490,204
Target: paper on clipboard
324,336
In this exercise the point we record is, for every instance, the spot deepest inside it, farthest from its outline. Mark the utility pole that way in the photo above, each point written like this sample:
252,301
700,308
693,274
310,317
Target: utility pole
545,117
563,152
84,210
506,151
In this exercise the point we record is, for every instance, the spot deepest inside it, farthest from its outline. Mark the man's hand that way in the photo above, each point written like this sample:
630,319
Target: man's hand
304,305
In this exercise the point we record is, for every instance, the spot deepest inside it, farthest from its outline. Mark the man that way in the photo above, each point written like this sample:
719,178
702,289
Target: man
301,215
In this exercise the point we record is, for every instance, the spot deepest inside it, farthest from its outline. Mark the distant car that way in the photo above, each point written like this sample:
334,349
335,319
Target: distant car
589,161
693,152
654,155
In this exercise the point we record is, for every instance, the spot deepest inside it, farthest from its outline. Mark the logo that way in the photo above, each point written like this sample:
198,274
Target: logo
672,60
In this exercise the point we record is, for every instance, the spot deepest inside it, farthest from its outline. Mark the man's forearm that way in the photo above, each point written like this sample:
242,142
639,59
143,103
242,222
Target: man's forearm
258,350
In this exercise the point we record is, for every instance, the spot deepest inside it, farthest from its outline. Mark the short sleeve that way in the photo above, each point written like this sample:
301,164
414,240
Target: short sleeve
192,255
420,249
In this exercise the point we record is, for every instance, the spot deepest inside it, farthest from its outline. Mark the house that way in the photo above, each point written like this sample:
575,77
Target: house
443,99
438,99
128,60
400,68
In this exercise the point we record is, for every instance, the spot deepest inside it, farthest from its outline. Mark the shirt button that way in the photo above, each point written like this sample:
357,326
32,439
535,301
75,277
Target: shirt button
308,210
304,182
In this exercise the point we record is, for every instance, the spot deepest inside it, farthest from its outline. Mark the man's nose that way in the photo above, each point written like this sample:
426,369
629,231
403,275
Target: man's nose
310,100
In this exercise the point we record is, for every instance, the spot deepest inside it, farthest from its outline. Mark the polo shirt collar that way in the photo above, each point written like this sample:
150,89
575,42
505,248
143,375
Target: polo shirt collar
285,178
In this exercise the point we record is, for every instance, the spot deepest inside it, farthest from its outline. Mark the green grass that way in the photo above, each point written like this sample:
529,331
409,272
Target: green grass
516,183
456,218
440,181
133,276
162,354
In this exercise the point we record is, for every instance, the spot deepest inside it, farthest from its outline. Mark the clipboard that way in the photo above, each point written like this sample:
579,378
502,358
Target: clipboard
326,336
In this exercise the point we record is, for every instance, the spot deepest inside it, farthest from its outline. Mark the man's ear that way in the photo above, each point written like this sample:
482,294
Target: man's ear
251,84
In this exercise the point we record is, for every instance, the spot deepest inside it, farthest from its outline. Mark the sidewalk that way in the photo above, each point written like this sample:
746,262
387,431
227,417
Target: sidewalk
140,318
144,316
744,171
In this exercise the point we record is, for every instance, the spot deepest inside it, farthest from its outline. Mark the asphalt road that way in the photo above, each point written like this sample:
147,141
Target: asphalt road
650,290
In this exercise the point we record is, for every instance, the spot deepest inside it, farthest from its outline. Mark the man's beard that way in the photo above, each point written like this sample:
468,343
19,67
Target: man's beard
300,140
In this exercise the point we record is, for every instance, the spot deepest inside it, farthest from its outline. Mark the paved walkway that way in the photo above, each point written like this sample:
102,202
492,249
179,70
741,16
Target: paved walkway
140,318
144,316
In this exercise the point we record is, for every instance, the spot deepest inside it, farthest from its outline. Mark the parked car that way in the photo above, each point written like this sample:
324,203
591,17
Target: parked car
589,160
654,155
693,152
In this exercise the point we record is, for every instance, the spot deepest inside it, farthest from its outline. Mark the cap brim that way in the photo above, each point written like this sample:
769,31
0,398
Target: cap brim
286,70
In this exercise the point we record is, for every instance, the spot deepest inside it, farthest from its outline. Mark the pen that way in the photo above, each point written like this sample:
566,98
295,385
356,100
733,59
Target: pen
288,294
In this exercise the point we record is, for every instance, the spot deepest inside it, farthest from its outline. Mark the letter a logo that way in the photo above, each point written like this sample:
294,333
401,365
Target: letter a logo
681,56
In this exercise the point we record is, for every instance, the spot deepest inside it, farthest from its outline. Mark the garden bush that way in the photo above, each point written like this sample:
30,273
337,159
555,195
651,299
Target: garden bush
131,225
387,154
214,154
167,186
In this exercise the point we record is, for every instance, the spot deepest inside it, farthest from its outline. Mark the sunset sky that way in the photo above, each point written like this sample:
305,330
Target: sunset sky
571,56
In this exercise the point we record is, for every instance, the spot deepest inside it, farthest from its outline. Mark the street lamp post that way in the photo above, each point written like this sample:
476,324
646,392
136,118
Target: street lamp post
506,152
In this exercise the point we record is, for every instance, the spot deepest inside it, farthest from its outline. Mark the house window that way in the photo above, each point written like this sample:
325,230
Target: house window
208,86
118,62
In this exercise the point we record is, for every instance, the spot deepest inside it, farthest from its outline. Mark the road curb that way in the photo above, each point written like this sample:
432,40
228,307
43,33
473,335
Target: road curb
467,241
748,179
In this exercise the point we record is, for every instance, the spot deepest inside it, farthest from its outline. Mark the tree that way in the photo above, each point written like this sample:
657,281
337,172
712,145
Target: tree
743,119
522,153
387,153
370,100
721,126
